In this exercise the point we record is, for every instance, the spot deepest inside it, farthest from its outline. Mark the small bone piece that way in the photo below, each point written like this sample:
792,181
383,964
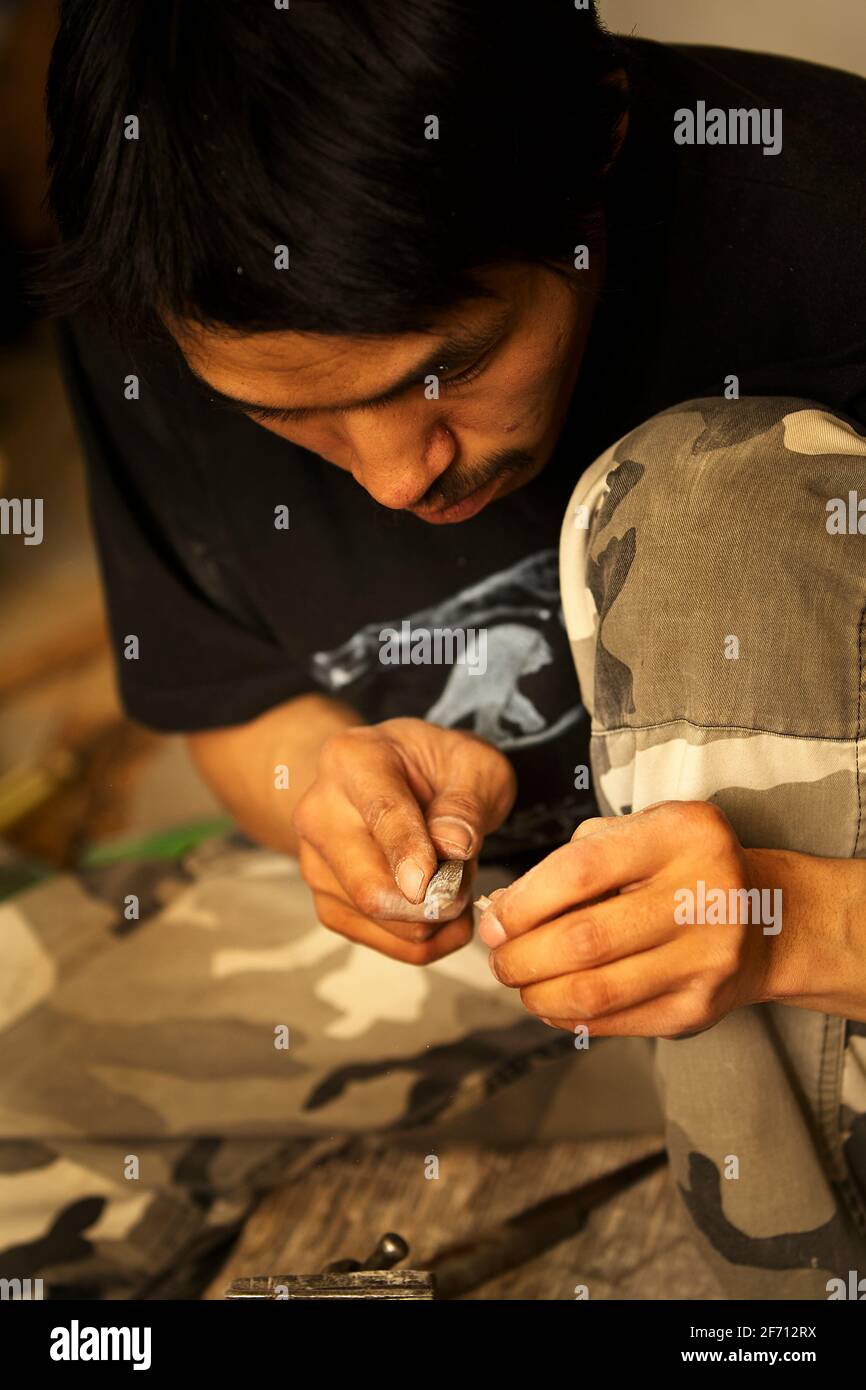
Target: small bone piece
483,904
443,888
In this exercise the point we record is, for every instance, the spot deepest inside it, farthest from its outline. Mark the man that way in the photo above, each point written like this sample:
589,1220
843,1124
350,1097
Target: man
389,278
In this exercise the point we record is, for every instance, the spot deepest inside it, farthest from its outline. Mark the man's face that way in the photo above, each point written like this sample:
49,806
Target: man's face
504,367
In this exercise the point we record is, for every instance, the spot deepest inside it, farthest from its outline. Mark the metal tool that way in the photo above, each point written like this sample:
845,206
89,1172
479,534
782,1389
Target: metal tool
374,1277
443,888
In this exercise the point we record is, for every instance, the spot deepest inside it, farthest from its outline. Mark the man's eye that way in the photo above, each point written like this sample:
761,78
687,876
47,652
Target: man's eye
468,373
262,413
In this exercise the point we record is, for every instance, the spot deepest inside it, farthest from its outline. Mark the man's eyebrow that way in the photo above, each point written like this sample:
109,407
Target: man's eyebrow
457,348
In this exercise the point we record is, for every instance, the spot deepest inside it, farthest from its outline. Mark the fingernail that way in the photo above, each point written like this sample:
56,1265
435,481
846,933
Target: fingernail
491,931
547,1021
409,878
457,839
491,961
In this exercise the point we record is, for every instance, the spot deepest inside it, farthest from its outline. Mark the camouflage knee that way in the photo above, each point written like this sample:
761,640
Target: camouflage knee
711,582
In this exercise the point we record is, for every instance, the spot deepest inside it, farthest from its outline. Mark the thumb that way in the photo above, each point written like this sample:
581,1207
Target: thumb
455,820
471,805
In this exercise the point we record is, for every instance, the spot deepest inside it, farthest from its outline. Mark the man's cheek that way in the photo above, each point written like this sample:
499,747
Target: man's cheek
530,402
509,418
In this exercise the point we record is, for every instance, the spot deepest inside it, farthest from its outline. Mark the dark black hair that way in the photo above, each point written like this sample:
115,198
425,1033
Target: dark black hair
306,127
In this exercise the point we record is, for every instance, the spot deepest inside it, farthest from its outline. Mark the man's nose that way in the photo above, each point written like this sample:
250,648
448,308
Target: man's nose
397,459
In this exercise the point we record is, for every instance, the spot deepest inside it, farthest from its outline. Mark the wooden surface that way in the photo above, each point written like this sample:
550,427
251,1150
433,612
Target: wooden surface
636,1246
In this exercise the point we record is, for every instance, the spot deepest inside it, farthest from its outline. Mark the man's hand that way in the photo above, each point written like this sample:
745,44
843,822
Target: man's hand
594,934
390,800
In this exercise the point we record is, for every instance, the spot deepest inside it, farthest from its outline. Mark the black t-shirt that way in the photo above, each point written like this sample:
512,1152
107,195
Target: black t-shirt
722,260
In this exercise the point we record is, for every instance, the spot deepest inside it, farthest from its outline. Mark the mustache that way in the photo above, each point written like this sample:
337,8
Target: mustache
456,484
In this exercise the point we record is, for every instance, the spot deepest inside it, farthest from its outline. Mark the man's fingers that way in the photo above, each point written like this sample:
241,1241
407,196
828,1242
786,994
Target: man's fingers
421,793
338,855
334,914
374,780
592,825
609,989
337,909
627,850
623,925
370,892
658,1018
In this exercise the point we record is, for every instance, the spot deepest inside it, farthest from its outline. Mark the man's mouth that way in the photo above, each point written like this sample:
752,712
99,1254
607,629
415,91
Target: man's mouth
516,463
459,511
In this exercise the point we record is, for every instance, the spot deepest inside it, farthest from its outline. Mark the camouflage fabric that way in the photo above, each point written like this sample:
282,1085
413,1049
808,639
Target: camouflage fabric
710,523
158,1072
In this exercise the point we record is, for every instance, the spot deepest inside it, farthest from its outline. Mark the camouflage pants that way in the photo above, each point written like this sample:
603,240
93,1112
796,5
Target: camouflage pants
714,601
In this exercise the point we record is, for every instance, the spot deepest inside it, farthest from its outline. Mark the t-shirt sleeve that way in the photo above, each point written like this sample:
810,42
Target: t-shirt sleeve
191,650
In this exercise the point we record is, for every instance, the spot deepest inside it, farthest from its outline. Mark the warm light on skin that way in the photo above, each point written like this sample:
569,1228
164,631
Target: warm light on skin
397,451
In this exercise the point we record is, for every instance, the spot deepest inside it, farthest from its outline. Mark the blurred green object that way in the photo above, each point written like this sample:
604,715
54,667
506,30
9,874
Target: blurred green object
165,844
18,872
